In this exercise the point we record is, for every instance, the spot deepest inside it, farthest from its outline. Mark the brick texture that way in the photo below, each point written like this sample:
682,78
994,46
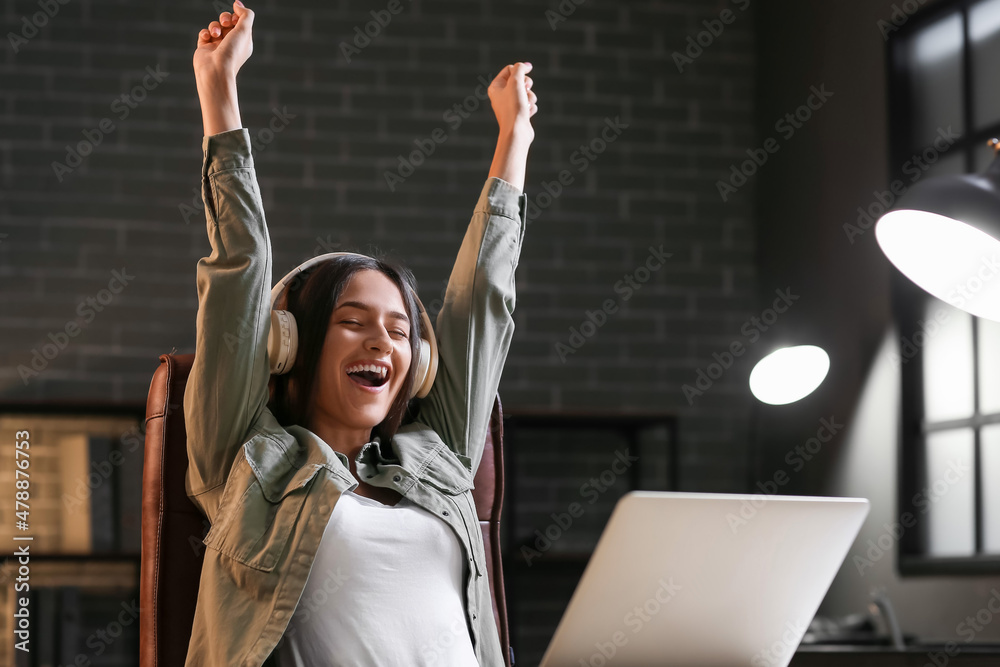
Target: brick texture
132,204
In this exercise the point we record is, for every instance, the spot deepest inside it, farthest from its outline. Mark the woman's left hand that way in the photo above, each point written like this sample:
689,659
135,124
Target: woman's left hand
514,103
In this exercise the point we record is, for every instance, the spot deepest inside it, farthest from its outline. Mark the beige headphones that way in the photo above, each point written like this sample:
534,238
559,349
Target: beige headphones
283,338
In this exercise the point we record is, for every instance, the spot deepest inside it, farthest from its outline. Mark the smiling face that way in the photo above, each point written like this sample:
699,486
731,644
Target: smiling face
366,354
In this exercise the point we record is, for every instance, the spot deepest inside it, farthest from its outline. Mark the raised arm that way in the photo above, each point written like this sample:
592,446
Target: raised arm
226,391
223,47
474,327
514,103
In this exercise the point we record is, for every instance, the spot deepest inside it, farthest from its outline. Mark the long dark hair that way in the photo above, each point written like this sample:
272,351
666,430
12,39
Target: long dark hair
311,298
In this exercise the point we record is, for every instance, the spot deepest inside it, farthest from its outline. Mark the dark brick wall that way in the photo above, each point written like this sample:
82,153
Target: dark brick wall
133,206
322,174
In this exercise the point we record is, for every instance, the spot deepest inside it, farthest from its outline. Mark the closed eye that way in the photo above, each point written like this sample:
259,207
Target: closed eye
396,332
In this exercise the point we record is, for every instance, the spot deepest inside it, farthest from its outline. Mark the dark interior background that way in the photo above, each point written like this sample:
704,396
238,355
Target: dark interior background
323,185
128,206
803,202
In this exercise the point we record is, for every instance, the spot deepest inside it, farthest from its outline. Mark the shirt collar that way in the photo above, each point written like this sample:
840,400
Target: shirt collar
327,455
371,458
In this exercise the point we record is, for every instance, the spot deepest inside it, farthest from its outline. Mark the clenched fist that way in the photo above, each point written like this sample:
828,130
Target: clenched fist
225,44
514,103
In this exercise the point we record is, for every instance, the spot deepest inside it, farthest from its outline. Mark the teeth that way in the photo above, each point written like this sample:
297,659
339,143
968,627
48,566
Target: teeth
381,370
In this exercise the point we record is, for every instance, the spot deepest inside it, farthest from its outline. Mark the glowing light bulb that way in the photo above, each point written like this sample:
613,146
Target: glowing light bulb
789,374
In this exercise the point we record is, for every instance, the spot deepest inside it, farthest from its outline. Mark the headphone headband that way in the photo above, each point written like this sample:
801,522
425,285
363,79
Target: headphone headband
309,263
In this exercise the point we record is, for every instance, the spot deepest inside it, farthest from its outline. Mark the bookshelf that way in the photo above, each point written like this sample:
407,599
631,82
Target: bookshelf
84,510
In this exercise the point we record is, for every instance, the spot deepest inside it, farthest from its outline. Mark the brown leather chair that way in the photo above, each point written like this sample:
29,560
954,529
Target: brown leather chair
173,528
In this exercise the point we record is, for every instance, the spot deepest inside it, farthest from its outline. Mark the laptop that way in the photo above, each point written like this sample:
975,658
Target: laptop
705,580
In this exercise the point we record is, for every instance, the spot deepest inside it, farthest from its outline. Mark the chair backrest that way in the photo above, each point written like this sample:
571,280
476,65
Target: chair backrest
173,528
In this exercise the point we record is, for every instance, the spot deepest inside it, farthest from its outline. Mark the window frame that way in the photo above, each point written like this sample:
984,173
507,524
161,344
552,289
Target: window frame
909,304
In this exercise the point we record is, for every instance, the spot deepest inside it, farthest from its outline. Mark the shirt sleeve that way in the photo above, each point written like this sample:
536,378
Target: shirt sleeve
475,324
227,388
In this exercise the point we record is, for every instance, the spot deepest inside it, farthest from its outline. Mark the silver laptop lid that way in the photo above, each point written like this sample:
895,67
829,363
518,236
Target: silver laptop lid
705,580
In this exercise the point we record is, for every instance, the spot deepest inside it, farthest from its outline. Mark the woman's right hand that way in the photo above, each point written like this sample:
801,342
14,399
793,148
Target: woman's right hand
226,44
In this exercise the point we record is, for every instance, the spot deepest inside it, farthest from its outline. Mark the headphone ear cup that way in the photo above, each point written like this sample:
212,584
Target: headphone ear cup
427,365
282,342
423,363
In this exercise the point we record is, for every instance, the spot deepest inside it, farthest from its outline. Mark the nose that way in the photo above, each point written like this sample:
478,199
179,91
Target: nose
380,342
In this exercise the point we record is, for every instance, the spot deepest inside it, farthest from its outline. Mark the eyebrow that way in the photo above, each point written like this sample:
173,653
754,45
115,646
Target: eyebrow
361,306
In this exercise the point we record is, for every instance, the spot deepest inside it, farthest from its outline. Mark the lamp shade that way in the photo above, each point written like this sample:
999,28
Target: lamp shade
944,235
789,374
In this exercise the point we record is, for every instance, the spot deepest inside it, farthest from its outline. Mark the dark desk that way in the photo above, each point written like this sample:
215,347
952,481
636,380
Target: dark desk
933,655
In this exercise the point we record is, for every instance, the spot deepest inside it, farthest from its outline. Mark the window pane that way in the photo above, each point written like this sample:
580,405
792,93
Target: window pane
947,361
990,482
989,365
947,496
984,32
935,57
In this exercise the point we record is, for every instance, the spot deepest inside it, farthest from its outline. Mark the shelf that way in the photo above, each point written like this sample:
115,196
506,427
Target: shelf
76,558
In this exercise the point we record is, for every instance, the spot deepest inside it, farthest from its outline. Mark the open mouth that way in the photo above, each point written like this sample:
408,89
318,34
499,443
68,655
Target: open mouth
370,378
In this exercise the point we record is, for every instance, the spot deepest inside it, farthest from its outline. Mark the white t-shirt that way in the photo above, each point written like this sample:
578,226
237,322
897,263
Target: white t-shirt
385,589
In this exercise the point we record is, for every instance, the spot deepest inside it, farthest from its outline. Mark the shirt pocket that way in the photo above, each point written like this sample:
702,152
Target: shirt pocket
447,472
251,529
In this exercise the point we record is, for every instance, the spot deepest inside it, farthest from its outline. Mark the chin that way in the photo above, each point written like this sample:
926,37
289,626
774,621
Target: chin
372,418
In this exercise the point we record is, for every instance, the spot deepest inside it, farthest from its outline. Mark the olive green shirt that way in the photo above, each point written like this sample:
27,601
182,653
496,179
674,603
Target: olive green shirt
269,490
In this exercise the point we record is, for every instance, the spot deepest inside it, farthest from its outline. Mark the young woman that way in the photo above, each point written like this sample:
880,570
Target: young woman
343,526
